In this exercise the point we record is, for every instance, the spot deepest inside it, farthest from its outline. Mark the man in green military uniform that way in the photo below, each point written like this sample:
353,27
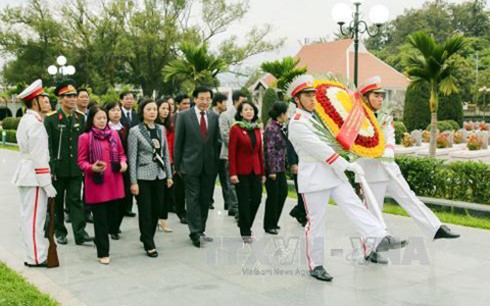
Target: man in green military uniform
63,127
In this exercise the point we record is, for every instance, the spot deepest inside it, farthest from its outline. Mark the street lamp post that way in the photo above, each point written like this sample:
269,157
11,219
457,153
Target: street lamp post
342,13
61,70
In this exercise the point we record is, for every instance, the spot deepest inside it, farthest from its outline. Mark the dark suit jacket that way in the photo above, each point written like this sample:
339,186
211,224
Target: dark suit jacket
193,154
124,120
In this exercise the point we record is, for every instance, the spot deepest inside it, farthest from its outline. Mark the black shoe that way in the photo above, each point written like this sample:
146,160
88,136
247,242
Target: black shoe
152,254
86,238
277,227
376,258
231,213
61,240
206,238
271,231
67,218
320,274
89,219
115,236
198,242
211,206
130,214
390,243
44,264
444,232
304,222
183,220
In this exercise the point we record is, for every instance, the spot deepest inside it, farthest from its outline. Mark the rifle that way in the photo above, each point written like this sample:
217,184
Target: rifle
53,261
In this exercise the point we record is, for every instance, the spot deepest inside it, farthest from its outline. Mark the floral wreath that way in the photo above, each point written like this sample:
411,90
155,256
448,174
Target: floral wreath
335,102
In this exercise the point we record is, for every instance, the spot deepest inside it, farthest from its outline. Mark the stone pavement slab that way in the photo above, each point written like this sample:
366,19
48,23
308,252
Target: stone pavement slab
272,271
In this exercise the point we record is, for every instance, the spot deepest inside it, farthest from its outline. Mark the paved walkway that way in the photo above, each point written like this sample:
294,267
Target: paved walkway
271,272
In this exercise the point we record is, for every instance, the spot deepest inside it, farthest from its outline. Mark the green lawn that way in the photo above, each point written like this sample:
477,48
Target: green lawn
7,147
15,290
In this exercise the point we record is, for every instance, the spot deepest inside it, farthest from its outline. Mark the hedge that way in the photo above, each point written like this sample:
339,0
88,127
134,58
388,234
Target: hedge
10,123
465,181
10,137
446,125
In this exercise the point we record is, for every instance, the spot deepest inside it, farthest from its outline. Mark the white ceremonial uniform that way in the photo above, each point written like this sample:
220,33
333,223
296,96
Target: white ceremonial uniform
381,183
31,175
321,176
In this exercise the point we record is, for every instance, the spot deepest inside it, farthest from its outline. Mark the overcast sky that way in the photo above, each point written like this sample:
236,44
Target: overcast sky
295,20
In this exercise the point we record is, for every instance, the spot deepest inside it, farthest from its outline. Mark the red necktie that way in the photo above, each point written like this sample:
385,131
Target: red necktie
204,130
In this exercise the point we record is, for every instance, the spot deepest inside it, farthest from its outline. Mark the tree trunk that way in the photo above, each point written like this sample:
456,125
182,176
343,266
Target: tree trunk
433,135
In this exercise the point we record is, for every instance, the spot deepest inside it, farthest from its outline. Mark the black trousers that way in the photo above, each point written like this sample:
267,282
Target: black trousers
169,201
298,210
128,199
105,218
179,191
72,187
197,194
118,216
277,192
249,194
150,201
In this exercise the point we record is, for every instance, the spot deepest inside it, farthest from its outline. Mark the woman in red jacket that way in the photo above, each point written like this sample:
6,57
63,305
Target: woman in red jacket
246,166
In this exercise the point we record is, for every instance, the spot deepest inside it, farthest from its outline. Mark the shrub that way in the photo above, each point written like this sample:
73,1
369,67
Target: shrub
10,137
445,125
400,129
416,113
10,123
458,180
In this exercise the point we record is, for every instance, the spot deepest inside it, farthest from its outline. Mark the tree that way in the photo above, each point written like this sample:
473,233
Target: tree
416,112
284,70
433,66
195,66
270,97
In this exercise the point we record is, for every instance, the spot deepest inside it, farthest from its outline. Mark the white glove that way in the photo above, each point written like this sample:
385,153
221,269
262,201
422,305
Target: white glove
354,167
389,153
50,191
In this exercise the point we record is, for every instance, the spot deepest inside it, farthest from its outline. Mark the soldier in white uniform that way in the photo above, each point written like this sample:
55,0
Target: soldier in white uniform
321,177
33,176
385,176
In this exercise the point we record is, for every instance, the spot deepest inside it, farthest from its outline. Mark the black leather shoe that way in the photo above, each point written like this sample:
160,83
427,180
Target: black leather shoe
206,238
44,264
376,258
231,213
278,227
320,274
211,206
197,242
390,243
115,236
87,237
183,220
152,254
61,240
444,232
130,214
271,231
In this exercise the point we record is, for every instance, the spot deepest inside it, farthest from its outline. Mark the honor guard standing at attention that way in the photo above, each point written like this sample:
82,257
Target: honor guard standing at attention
385,176
321,177
33,176
64,126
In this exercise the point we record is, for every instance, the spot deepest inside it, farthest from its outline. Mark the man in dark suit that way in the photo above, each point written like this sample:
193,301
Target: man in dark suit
195,158
129,118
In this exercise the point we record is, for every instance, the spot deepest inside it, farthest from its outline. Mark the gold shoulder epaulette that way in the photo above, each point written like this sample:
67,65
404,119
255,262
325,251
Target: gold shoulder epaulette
51,113
83,114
